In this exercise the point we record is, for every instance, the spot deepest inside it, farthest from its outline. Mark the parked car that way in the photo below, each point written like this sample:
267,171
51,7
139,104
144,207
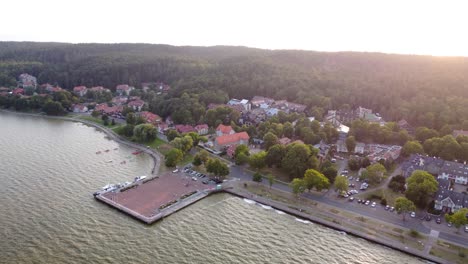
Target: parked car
466,228
194,178
351,199
387,207
449,224
392,209
359,201
176,170
438,221
351,178
413,214
373,204
367,202
205,182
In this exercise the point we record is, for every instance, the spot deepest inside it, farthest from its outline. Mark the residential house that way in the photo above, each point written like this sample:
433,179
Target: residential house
136,105
447,200
109,110
162,127
458,172
224,130
299,108
258,100
80,90
119,100
272,112
27,82
18,91
80,108
231,139
359,148
99,89
246,106
150,117
124,89
184,128
202,129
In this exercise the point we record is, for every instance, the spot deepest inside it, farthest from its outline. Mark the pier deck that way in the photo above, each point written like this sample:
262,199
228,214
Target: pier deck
144,200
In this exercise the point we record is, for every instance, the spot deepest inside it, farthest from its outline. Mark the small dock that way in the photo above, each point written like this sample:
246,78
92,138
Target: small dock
152,199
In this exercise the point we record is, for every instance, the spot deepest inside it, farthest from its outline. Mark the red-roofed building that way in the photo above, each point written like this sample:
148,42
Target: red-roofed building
18,91
109,110
122,89
232,139
224,130
136,105
150,117
184,128
201,129
80,90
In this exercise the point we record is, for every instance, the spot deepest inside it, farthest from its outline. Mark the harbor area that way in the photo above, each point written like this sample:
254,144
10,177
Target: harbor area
151,199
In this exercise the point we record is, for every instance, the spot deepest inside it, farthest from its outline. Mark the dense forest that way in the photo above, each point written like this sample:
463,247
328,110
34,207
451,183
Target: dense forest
426,91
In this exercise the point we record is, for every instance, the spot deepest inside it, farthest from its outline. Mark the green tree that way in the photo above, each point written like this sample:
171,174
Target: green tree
403,206
315,179
341,184
458,219
242,149
271,179
412,147
204,155
420,187
297,186
95,114
197,160
184,143
130,119
350,144
296,159
257,177
172,134
376,173
270,139
173,157
275,155
330,172
354,164
257,160
241,159
216,167
53,108
145,132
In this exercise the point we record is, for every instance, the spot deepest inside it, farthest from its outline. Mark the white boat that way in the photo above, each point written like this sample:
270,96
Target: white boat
139,178
107,186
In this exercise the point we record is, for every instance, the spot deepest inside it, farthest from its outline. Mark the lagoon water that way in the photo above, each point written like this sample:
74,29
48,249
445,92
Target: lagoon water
49,170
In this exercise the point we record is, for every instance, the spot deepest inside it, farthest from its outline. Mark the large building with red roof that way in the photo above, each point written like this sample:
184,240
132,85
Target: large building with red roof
231,139
224,130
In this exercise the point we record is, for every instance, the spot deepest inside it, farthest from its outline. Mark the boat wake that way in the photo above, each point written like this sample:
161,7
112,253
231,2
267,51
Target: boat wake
249,201
266,206
303,221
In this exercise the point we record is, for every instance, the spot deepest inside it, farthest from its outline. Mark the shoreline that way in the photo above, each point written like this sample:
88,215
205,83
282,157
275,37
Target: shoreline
395,245
390,244
156,156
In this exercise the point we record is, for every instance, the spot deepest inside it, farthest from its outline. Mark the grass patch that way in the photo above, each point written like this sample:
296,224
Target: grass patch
97,121
447,255
334,211
398,230
277,172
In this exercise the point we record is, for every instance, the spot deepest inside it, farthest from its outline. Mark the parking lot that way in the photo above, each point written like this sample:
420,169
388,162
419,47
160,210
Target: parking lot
198,176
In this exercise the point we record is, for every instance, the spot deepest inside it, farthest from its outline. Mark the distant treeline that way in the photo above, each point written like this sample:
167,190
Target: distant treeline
426,91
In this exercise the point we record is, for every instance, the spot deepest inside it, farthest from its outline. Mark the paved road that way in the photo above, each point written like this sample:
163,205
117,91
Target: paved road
378,212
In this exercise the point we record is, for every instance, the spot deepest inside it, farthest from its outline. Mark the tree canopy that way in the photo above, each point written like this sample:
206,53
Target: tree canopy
420,187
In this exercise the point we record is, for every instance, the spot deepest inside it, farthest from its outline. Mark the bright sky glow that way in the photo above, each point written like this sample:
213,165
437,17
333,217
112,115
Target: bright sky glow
395,26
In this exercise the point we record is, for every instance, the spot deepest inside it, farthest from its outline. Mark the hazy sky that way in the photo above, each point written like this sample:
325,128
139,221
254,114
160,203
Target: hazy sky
410,26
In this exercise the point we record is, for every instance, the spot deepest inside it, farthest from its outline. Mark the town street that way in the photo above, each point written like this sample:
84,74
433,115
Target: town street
378,212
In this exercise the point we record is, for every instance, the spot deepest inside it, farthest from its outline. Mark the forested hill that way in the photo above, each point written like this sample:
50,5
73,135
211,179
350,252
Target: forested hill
429,91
